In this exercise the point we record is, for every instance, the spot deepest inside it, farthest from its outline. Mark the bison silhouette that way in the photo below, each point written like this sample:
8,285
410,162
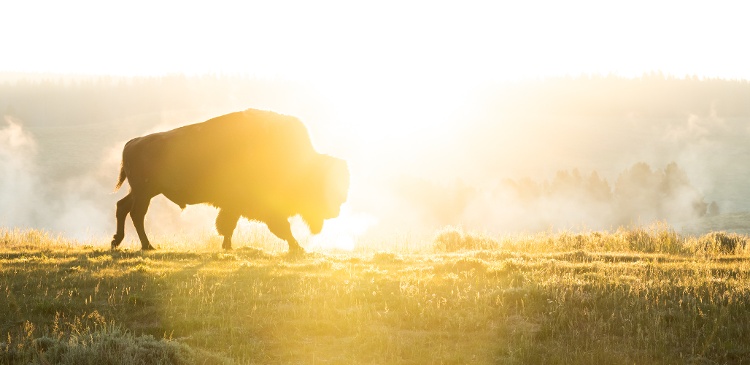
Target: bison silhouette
255,164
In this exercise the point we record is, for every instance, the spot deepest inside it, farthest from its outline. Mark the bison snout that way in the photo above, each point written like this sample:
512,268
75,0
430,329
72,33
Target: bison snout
316,226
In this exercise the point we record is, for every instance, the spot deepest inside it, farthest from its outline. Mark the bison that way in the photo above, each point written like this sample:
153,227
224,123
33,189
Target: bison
254,164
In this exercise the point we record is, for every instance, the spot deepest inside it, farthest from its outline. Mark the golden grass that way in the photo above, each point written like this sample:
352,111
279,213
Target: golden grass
644,295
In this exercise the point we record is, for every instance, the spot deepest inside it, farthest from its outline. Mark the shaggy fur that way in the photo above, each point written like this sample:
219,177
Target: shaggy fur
254,164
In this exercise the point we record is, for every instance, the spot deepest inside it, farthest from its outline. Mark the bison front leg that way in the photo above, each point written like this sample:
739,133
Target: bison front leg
226,222
281,228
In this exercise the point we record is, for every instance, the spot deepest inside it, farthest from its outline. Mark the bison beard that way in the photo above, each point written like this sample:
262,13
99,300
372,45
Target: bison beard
256,164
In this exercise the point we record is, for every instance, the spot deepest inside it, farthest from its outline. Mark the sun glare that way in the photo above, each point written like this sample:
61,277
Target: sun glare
385,120
340,233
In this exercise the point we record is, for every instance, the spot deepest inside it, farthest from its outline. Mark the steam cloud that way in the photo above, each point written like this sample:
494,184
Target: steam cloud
637,171
26,201
18,184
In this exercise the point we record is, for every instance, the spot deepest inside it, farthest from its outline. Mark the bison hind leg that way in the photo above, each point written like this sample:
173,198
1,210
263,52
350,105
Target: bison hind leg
124,206
138,214
226,222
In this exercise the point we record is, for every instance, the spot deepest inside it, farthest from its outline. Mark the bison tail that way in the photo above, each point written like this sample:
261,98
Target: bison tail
122,178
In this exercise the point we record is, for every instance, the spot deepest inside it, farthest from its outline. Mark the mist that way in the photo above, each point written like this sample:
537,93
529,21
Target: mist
586,153
547,155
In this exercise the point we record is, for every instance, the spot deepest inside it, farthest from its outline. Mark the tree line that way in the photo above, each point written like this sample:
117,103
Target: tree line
67,99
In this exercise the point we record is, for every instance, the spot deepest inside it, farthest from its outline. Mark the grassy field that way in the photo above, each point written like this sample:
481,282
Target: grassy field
636,296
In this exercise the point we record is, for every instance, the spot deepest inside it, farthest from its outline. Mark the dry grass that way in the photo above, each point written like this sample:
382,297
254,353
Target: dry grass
640,296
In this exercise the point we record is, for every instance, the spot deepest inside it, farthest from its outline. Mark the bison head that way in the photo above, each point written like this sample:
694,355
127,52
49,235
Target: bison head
329,183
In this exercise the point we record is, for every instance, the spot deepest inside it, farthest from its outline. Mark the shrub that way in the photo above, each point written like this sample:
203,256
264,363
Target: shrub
106,345
452,239
656,238
722,242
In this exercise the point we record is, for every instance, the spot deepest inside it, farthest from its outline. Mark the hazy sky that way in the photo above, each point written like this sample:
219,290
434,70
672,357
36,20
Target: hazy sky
344,40
409,55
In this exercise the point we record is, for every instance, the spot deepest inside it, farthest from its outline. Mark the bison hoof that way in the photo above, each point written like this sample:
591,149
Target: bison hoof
148,247
295,251
116,239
